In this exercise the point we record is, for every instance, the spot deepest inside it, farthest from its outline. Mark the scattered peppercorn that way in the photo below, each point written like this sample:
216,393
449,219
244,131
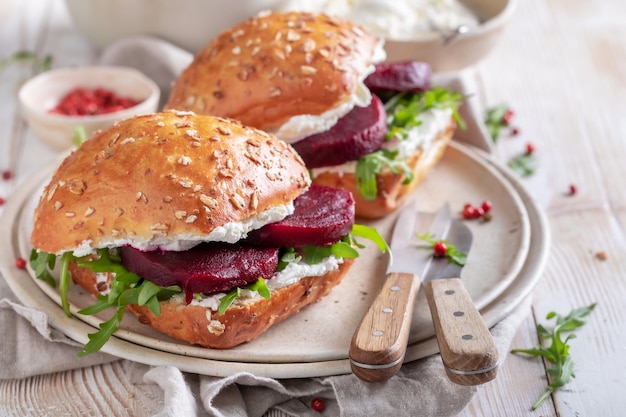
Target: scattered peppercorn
7,175
317,404
602,256
530,148
470,212
440,249
572,189
2,201
85,102
20,263
507,118
514,131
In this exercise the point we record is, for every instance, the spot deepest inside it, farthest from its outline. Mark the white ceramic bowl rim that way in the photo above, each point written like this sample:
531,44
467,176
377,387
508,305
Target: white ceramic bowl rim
70,73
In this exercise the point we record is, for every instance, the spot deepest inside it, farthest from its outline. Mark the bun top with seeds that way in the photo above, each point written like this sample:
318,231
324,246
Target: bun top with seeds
169,180
275,66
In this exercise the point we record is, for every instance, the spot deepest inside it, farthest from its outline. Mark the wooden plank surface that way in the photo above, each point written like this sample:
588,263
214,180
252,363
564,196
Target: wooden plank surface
562,67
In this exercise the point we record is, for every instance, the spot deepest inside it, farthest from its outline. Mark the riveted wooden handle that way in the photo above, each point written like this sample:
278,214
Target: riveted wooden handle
379,343
466,345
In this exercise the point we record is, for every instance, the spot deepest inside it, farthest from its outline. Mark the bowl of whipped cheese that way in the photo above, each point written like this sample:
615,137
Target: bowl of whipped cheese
449,34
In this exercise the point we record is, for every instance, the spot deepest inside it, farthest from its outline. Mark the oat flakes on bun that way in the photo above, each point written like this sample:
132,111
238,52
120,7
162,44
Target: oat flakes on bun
321,84
207,230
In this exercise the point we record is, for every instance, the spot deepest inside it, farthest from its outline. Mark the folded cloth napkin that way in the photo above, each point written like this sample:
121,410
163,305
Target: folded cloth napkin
420,388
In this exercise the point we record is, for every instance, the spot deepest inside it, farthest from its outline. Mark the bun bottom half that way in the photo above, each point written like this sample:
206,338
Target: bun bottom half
240,323
391,191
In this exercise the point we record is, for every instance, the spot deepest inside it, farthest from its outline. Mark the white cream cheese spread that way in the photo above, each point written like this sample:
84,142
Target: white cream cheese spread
397,19
230,233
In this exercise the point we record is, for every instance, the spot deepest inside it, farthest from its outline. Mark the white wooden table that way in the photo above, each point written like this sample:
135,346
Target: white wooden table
562,68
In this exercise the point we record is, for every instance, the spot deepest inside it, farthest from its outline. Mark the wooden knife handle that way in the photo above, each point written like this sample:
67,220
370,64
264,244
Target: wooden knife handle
466,345
379,343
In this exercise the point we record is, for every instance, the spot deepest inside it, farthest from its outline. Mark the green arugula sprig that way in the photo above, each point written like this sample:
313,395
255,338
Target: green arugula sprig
259,286
557,353
42,263
370,165
523,164
495,120
453,255
44,63
403,114
80,136
403,109
126,288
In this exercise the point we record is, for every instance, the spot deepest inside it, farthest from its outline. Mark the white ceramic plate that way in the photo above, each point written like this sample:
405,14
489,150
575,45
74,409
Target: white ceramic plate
499,274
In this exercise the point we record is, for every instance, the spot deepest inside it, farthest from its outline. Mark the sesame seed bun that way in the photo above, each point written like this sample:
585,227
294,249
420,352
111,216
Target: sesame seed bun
157,178
275,66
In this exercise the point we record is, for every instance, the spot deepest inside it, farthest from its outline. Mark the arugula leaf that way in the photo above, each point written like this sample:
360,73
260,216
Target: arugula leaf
80,136
557,353
289,256
523,164
228,299
259,286
126,288
370,165
453,255
64,281
403,113
316,254
24,56
107,328
495,120
42,263
371,234
404,109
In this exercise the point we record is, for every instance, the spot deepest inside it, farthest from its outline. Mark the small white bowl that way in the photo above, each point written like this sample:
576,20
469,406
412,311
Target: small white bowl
42,93
465,49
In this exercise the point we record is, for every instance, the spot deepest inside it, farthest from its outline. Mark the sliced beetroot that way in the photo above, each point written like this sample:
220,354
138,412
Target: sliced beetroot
400,76
322,216
358,133
206,268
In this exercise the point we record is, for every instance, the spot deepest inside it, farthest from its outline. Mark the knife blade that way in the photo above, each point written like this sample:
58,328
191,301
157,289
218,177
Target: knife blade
379,342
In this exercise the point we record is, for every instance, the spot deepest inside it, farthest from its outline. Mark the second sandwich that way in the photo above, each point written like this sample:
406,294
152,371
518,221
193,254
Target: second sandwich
320,84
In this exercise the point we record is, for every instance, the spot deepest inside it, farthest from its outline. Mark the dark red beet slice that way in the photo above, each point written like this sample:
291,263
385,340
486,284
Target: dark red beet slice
400,76
206,268
358,133
322,216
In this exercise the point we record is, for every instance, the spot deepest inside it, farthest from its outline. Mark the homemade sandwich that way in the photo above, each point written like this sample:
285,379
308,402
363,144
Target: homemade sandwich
207,230
320,84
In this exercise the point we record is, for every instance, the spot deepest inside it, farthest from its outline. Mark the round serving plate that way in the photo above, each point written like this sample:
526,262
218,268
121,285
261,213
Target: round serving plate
503,265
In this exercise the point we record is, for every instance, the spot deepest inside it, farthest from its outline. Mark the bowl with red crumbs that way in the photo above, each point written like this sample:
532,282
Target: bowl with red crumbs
61,103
